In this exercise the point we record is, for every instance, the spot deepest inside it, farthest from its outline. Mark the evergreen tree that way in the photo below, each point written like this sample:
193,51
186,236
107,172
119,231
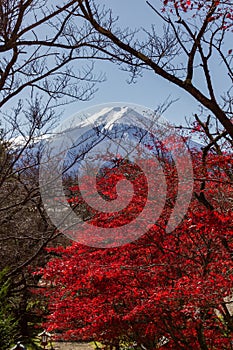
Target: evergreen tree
8,322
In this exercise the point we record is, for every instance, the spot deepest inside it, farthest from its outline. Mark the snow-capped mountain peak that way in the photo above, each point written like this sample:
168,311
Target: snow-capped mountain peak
107,117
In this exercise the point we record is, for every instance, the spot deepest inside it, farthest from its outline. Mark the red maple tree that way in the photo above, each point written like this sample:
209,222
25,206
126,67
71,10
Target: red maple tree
171,289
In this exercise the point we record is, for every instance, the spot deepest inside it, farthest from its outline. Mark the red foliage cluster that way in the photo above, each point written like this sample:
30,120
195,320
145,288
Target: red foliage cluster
221,9
164,287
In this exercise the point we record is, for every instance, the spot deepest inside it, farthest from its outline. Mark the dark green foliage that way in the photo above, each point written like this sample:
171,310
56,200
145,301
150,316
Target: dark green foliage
8,322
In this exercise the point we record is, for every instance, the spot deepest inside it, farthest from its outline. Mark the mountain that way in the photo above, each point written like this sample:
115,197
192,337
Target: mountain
113,131
100,136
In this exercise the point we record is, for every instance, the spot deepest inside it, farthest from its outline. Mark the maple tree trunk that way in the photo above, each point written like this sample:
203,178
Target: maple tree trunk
201,338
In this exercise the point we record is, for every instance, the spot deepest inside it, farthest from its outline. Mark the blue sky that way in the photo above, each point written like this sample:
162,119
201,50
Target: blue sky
150,90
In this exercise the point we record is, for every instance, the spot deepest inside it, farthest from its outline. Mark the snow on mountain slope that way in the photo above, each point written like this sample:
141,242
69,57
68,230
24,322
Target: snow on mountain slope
111,130
116,115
